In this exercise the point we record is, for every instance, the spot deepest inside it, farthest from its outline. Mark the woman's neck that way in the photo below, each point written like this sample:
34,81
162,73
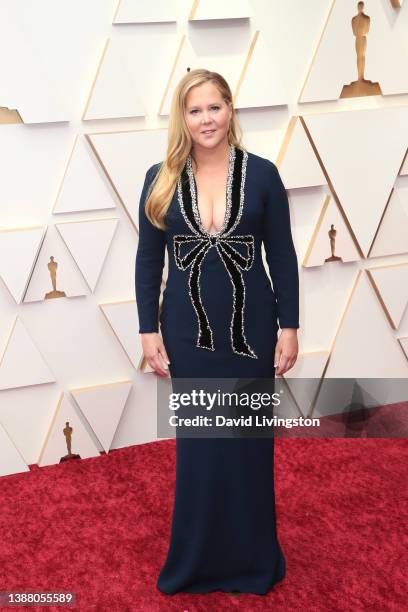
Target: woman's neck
210,159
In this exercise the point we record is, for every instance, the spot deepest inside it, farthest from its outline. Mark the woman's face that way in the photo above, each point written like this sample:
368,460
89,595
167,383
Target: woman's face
207,115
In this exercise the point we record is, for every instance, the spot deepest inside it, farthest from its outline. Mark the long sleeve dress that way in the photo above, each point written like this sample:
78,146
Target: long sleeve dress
220,319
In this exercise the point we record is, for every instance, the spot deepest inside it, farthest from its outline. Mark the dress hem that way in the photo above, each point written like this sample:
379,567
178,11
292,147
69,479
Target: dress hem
226,590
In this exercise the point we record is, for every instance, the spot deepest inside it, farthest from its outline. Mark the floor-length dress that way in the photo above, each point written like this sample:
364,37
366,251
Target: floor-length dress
220,319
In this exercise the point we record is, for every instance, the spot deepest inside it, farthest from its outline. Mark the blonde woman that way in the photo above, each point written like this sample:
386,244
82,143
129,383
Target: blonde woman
213,204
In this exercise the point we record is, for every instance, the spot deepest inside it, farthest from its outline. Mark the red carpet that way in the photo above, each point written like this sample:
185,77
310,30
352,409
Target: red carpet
99,527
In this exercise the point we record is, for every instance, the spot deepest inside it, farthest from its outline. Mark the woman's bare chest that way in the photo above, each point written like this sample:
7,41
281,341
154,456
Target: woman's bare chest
212,199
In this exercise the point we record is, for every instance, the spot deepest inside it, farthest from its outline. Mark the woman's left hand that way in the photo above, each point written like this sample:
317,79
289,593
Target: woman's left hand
286,350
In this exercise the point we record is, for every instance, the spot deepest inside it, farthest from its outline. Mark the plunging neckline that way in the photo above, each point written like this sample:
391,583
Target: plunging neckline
194,194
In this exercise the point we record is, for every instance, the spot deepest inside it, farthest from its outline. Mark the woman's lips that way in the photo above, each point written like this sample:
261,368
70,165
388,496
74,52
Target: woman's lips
208,132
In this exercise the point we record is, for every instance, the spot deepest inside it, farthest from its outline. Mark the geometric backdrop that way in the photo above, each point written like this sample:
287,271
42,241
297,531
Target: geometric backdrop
80,124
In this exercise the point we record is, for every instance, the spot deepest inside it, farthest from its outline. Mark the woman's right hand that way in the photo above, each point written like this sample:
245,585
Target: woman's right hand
155,353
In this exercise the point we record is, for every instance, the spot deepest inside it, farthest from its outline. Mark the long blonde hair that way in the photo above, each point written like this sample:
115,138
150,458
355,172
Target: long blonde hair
179,142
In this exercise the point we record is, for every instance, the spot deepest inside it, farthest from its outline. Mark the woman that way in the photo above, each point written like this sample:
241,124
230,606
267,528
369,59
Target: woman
213,204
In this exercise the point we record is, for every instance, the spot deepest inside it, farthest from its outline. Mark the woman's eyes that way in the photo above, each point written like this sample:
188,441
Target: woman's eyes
212,108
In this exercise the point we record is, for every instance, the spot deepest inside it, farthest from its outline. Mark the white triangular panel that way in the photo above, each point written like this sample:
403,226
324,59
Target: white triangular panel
139,420
124,320
319,248
305,210
365,346
18,250
325,291
303,379
404,168
102,407
288,408
22,363
299,166
262,84
89,242
309,365
11,462
185,58
68,277
362,152
29,80
140,11
25,415
229,64
116,90
84,186
404,345
121,155
335,62
392,283
227,9
392,235
55,446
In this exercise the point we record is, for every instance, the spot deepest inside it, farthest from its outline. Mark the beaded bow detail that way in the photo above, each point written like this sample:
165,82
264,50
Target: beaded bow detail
224,242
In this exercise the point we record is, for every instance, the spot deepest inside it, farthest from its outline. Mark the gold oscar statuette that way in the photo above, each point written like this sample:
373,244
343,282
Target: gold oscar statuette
68,440
360,24
52,267
332,237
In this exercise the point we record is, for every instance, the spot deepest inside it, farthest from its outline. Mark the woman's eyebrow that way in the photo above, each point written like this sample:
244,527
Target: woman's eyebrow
198,105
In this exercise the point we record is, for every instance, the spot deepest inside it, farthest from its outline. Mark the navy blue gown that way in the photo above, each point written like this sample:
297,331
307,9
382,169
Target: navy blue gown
220,319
